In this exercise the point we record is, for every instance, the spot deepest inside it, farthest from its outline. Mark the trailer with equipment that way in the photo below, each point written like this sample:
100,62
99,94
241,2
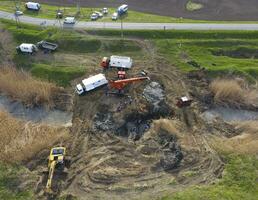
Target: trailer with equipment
47,45
120,62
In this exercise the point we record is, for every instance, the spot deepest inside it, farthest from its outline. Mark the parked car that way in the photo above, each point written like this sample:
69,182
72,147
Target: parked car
115,16
32,6
18,13
69,20
99,14
104,11
94,16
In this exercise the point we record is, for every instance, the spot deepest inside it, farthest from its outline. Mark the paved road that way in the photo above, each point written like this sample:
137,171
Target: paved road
136,26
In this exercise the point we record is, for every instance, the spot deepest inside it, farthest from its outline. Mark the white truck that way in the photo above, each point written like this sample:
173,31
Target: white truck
120,62
26,48
91,83
32,6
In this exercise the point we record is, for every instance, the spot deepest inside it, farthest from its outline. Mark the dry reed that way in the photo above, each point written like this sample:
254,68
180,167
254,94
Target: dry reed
233,92
21,141
20,85
246,142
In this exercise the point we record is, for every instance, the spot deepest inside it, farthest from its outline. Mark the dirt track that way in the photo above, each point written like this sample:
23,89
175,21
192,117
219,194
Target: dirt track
212,10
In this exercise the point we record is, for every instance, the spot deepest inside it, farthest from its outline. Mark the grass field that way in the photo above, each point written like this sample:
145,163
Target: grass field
76,53
239,182
10,179
219,52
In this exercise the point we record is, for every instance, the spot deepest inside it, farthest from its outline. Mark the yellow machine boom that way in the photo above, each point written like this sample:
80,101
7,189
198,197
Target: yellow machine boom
55,160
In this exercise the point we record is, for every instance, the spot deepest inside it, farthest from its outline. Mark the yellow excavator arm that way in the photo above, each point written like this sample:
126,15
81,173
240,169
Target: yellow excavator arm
50,176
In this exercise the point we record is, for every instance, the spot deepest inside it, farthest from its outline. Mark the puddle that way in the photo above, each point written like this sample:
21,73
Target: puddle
38,114
229,114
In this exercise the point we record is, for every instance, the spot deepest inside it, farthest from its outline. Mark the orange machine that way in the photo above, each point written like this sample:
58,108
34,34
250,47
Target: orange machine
105,62
121,75
120,84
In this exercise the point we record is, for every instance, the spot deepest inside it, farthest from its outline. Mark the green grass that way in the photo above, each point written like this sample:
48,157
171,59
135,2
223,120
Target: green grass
239,181
10,180
184,52
183,48
60,75
71,44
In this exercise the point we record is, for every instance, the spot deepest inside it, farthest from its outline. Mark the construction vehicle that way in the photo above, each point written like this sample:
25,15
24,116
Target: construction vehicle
91,83
120,84
56,161
183,102
121,75
120,62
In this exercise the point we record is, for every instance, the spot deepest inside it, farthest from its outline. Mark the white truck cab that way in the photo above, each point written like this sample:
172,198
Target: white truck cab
91,83
32,6
27,48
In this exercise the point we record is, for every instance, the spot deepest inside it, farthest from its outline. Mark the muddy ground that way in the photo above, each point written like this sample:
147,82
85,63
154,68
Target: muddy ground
212,9
140,145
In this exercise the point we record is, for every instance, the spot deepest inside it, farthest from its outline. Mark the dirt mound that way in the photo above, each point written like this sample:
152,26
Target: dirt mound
212,10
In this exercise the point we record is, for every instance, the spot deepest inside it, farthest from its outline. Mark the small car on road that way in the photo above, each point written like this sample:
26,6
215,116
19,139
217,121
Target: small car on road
94,16
115,16
69,20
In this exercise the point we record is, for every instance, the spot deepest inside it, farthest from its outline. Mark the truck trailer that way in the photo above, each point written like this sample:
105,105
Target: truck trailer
47,45
91,83
120,62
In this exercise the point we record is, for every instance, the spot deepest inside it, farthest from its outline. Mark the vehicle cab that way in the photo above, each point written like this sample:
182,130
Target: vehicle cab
79,89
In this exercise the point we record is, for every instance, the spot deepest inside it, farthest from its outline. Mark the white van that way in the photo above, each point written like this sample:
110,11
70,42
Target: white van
122,9
91,83
32,6
27,48
69,20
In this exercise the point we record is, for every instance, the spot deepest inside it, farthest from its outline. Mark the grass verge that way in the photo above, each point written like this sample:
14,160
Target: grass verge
239,182
11,179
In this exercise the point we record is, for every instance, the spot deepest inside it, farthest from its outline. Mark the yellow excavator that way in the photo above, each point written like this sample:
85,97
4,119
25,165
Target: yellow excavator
56,161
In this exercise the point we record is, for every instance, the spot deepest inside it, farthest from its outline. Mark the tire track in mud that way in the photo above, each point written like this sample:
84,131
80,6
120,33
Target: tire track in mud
106,165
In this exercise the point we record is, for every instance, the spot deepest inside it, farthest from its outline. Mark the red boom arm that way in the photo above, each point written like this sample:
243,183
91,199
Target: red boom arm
120,84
